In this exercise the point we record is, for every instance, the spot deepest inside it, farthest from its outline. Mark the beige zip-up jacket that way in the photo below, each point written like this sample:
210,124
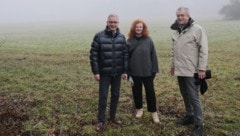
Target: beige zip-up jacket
189,51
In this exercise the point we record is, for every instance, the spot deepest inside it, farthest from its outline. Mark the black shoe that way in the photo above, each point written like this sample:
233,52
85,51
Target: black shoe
100,126
187,120
198,130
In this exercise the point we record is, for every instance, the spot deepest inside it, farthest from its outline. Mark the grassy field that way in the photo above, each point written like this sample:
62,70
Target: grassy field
47,88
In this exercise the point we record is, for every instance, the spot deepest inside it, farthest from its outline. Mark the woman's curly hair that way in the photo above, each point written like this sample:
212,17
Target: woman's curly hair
132,32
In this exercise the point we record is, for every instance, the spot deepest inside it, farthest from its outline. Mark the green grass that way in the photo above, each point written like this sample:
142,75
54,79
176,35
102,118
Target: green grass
46,86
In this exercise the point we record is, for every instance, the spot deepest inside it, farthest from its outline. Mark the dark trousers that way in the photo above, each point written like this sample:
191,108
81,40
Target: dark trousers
105,82
149,89
189,91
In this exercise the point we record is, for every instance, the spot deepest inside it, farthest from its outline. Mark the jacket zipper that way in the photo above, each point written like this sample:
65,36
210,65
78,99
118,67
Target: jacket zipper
114,56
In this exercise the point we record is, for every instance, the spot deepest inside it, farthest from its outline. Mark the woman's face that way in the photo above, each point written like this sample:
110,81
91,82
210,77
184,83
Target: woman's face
139,28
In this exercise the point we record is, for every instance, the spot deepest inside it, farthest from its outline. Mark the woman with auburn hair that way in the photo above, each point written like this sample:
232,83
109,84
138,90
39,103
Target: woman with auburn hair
143,66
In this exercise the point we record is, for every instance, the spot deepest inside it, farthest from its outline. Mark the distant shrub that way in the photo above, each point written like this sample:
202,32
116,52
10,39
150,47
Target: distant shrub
231,11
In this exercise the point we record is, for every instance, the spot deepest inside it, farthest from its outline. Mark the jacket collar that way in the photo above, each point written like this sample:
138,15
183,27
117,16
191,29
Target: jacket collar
110,33
176,26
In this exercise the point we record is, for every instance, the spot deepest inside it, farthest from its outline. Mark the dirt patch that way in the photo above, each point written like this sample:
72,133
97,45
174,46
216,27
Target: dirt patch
237,78
12,115
20,59
171,107
11,122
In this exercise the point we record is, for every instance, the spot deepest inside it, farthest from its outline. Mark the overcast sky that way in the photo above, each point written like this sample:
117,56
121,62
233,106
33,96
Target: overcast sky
27,11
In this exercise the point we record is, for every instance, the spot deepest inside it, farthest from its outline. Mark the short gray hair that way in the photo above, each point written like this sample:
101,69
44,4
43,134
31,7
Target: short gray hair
185,9
112,15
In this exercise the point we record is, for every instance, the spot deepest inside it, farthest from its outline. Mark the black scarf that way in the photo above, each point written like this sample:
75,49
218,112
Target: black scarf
179,28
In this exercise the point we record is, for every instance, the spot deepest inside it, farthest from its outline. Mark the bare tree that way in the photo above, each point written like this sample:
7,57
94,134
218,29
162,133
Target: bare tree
232,10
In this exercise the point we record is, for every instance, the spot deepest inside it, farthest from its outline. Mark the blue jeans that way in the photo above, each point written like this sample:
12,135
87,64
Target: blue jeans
104,84
189,91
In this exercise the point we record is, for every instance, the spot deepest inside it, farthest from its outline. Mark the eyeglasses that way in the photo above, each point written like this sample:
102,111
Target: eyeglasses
112,22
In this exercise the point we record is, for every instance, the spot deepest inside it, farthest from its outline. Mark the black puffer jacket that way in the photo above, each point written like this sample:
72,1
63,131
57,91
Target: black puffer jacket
108,54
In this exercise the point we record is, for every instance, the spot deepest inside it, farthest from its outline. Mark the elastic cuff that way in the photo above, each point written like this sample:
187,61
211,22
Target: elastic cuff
203,69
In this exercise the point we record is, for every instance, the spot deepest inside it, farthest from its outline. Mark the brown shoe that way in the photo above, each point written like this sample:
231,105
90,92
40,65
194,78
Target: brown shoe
116,121
100,126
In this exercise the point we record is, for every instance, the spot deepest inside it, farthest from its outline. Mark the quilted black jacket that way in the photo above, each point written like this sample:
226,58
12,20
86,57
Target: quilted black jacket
108,54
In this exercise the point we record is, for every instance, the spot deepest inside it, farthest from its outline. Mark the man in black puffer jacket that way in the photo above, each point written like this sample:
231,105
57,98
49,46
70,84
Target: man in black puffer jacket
109,60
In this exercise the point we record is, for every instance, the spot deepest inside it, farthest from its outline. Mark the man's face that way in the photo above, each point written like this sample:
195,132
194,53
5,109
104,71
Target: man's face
182,17
112,23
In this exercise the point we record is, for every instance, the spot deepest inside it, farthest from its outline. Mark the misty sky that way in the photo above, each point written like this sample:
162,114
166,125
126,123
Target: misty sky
27,11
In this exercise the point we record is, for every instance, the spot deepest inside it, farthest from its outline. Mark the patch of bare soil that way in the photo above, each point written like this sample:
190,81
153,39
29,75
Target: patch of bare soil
12,115
170,107
237,78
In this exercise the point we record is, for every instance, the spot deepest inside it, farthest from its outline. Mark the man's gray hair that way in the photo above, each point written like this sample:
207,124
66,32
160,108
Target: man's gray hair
112,15
185,9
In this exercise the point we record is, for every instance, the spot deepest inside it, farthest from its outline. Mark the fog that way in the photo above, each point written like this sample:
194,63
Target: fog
93,11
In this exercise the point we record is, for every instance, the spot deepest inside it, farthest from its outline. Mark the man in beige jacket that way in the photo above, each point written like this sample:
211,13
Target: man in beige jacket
190,54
